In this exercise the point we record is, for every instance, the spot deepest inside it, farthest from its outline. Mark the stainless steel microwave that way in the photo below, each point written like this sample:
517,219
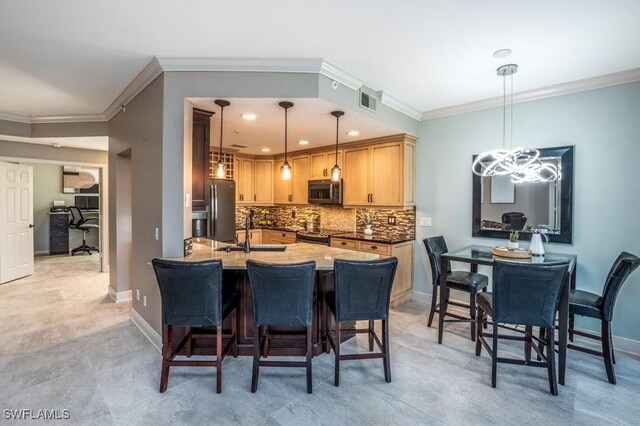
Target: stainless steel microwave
325,192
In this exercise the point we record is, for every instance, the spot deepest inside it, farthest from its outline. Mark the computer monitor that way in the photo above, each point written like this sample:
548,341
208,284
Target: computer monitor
85,202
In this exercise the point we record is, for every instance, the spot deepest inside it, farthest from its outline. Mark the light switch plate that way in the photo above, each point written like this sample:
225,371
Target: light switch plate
187,199
425,221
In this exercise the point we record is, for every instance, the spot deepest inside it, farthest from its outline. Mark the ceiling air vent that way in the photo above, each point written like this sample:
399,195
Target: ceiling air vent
368,99
235,145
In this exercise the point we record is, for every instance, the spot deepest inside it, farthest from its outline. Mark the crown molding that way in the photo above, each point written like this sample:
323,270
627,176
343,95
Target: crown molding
341,76
399,106
149,73
14,117
85,118
298,65
599,82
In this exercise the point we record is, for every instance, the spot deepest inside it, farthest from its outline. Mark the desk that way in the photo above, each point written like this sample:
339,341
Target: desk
482,255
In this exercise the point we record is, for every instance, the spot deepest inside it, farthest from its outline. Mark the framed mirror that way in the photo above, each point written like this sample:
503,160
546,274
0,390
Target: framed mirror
80,180
500,207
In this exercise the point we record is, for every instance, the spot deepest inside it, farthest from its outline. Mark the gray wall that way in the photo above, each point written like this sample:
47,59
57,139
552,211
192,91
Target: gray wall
47,186
604,127
138,132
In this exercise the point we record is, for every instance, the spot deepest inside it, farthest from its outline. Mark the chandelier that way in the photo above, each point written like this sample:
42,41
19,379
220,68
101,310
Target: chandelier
523,165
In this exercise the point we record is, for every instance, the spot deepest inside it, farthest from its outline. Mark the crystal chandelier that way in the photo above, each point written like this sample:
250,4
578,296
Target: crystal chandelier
523,165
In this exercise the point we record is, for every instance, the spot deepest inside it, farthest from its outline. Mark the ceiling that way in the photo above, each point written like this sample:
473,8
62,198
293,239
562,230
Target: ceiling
309,119
72,58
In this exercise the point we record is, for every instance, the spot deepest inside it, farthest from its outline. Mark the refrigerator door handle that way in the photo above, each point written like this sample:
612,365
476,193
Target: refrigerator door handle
214,209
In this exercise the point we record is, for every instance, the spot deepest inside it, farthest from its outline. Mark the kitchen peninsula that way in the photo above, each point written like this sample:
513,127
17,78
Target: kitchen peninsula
282,341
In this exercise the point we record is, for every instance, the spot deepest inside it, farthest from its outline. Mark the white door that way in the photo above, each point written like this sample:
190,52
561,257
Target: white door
16,221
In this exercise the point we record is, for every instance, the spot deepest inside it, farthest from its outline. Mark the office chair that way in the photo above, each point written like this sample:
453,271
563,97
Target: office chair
79,222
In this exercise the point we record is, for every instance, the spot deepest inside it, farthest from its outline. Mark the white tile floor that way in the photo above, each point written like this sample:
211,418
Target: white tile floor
65,345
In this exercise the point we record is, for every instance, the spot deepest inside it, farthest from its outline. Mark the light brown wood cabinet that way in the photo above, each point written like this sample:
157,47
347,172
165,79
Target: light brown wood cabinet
263,181
322,163
255,236
380,175
402,290
243,175
294,190
272,236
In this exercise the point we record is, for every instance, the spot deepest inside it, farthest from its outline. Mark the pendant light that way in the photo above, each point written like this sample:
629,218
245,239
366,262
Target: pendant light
220,167
335,172
523,165
285,169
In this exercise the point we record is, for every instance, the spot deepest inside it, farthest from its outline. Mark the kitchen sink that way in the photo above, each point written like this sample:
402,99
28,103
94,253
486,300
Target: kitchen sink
257,247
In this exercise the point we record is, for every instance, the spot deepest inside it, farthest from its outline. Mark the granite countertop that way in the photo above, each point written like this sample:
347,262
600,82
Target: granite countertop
270,228
376,238
204,249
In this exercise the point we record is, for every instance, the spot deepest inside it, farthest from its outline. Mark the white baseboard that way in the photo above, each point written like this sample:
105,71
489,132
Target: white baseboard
41,252
120,296
147,330
620,344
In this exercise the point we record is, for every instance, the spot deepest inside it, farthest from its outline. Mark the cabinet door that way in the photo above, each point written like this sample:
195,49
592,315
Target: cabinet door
255,236
245,181
200,158
281,188
356,176
263,181
319,166
266,236
387,171
300,173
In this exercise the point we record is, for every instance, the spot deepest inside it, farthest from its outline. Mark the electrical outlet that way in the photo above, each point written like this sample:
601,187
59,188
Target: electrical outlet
391,220
144,300
138,294
157,234
187,199
425,221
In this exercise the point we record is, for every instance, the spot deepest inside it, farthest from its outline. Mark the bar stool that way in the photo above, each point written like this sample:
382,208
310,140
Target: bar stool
362,293
469,282
282,297
192,297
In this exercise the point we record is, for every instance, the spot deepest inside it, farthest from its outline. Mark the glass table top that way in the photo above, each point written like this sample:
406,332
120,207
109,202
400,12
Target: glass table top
483,255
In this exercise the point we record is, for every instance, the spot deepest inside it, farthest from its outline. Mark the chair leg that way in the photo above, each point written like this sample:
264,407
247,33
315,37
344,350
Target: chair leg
434,303
189,343
494,357
266,341
571,326
551,363
234,333
385,349
256,359
479,322
472,315
219,359
327,327
607,351
371,328
336,352
166,356
528,332
309,365
542,337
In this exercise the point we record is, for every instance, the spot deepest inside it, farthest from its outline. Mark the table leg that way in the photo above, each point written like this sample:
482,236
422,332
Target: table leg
474,268
443,296
563,327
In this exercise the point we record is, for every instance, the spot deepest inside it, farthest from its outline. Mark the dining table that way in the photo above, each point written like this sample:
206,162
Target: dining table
483,255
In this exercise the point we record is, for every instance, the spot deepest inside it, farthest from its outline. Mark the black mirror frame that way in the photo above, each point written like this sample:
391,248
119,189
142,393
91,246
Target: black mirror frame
566,154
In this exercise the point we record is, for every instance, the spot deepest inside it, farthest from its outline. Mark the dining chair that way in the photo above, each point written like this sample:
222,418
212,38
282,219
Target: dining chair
469,282
523,294
593,305
192,297
282,296
362,293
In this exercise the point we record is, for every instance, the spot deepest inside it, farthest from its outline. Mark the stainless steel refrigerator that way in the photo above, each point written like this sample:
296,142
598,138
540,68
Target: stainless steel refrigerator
222,222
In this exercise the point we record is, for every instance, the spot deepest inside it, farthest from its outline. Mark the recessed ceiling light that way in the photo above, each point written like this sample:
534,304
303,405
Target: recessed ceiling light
265,149
502,53
56,145
303,142
249,116
353,133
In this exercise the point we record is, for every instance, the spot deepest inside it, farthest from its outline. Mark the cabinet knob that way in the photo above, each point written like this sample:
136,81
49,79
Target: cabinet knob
374,247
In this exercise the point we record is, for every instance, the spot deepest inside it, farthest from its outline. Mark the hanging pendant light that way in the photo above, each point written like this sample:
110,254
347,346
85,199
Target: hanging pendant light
220,167
335,171
523,165
285,169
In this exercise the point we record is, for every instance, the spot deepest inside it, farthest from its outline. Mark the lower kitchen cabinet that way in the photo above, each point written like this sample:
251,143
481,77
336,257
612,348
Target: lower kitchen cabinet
255,236
402,290
272,236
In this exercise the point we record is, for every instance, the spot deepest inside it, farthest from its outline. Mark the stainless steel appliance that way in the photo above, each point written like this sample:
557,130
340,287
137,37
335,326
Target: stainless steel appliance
324,191
317,237
222,219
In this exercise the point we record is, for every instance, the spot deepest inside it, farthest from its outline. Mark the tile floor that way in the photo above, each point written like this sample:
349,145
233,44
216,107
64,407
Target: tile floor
65,345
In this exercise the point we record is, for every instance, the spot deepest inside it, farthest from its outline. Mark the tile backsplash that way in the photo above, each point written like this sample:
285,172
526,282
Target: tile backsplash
333,218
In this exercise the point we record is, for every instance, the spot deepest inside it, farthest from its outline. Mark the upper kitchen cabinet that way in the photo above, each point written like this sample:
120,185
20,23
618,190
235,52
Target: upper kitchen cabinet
200,158
293,191
322,163
243,175
263,181
380,174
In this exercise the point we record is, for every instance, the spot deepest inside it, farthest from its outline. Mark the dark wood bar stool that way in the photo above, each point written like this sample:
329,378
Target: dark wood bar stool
469,282
192,298
523,294
601,307
282,297
362,293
